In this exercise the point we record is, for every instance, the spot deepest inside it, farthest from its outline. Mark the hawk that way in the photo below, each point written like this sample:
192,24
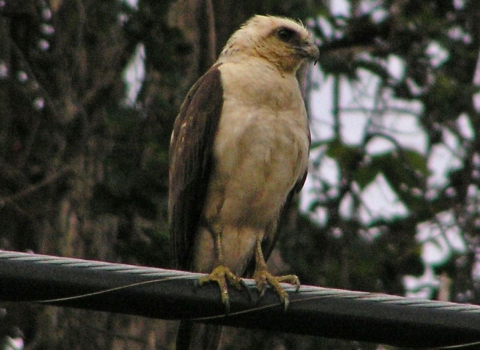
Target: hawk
239,151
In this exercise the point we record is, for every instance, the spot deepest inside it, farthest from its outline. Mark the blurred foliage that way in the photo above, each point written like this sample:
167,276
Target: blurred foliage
437,43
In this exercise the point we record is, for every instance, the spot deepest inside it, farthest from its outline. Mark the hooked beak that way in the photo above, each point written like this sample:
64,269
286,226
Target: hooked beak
309,51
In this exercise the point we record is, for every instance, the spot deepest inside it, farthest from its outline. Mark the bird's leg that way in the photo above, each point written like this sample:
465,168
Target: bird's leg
221,273
265,278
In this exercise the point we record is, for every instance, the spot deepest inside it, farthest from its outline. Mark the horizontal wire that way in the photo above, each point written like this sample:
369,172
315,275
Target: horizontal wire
172,294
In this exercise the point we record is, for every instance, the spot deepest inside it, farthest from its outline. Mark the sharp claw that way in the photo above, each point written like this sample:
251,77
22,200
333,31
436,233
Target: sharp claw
244,285
261,285
220,275
263,278
226,302
286,302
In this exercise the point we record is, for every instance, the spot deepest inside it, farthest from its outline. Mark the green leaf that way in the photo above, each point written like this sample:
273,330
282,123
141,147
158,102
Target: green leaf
365,175
417,161
346,156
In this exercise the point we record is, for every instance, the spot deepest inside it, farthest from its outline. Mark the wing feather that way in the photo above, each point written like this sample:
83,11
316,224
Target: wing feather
191,161
269,244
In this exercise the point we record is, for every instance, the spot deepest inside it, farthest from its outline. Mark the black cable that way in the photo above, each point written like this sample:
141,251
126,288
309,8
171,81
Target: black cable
169,294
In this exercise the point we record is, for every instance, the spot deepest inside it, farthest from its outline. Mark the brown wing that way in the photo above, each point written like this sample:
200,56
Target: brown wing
268,245
191,161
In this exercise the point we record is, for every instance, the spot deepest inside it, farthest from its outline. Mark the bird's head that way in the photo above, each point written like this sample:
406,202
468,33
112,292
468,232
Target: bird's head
281,41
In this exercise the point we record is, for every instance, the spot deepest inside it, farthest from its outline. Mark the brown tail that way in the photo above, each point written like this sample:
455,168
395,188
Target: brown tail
198,336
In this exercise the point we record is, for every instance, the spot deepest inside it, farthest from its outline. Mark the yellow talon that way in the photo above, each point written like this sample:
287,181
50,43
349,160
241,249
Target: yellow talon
265,278
220,275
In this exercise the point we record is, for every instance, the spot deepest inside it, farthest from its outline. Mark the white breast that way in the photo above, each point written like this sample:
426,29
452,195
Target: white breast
261,151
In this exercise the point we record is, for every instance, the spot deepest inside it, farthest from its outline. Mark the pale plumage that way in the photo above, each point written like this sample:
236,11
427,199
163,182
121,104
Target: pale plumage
239,151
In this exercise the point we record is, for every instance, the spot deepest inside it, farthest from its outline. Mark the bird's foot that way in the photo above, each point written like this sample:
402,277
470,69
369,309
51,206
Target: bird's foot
220,275
265,278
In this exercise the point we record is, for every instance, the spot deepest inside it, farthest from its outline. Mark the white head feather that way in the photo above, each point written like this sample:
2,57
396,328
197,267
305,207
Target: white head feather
280,41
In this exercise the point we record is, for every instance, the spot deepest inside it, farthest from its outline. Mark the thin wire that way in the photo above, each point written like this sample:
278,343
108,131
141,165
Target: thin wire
105,291
168,275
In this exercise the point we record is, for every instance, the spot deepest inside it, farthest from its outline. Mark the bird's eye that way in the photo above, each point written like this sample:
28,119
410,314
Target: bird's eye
285,34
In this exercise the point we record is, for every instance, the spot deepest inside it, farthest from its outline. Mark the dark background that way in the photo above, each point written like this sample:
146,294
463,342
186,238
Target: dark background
84,174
